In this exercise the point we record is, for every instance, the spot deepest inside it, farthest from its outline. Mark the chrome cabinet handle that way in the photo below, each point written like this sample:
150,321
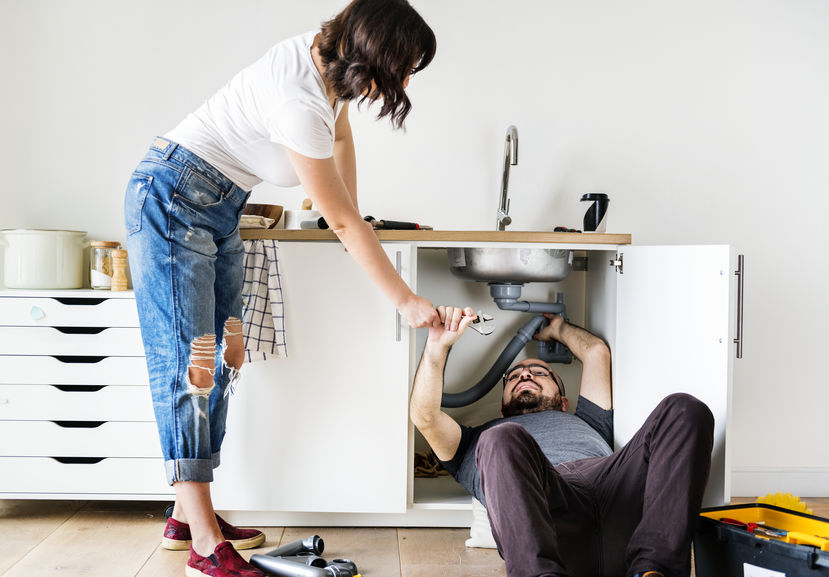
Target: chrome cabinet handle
740,274
398,325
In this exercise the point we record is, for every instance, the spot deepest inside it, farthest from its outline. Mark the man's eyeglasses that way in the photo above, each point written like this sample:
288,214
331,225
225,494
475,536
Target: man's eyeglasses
512,375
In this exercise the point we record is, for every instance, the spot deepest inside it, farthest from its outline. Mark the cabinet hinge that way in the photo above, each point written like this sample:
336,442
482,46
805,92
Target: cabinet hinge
618,263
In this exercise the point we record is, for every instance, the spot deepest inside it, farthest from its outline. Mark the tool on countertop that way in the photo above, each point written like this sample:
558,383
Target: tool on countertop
377,224
565,229
395,224
484,324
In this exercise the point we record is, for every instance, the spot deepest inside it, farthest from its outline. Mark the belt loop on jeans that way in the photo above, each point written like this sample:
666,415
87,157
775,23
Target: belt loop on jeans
162,144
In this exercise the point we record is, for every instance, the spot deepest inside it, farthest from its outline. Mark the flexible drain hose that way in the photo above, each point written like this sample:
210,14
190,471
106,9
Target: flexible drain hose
494,374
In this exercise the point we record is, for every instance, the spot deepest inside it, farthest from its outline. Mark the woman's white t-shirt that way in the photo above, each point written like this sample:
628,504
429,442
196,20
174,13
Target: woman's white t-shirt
277,102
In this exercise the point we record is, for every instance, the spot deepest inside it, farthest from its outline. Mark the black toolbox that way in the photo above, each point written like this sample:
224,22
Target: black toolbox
756,540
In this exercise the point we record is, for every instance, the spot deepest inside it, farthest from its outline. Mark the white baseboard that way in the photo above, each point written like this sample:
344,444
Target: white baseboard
799,481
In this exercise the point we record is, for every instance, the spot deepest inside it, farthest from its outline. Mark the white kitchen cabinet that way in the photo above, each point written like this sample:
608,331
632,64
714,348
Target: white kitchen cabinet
324,429
76,417
322,436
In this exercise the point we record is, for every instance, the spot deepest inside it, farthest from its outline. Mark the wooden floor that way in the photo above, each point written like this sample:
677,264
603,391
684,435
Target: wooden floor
121,539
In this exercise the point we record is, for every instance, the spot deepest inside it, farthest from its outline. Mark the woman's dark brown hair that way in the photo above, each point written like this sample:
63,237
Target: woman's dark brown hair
380,40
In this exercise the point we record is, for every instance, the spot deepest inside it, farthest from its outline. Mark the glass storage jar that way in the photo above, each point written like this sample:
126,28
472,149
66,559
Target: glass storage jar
100,263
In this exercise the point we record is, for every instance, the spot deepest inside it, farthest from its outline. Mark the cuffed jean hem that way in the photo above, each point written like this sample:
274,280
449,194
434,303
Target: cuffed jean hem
195,470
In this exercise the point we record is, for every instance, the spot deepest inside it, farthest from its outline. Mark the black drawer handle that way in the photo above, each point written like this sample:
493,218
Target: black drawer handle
79,301
80,330
78,359
78,460
79,388
79,424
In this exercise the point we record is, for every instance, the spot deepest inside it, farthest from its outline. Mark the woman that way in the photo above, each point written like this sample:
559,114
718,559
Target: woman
283,119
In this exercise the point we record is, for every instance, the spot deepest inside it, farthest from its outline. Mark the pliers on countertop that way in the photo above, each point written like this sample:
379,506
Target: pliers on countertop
484,324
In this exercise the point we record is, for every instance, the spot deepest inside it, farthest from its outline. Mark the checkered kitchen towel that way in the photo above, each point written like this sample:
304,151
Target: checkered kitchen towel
264,317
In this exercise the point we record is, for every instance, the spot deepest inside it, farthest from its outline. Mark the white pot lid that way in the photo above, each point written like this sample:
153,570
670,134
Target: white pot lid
40,231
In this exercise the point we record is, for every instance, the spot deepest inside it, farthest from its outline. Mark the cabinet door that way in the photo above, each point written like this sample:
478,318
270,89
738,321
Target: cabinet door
674,334
324,429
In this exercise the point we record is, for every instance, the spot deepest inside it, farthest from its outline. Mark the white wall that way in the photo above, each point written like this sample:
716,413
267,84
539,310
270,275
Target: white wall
705,122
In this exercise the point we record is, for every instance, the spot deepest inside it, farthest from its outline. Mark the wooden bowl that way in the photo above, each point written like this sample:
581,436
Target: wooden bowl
273,211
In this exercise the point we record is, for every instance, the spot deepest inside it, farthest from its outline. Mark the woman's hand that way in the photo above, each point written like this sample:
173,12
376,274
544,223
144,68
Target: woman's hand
325,187
452,323
419,312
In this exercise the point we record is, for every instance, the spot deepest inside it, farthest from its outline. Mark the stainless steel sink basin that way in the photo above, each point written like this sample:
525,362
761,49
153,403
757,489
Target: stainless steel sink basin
510,265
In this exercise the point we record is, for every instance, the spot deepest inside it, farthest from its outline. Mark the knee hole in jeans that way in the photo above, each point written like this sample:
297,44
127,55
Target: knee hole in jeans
202,367
233,343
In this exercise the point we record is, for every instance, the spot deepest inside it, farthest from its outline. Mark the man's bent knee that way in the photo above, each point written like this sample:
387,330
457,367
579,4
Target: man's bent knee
689,407
503,432
503,439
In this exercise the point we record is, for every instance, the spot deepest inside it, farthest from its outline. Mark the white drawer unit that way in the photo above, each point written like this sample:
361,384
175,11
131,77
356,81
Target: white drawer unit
90,477
94,311
70,341
78,439
33,402
73,370
76,416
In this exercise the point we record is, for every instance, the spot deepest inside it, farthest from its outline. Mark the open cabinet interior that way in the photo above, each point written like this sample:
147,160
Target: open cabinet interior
665,312
474,354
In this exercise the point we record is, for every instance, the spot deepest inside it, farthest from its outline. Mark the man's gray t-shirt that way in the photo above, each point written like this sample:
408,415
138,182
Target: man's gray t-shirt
563,437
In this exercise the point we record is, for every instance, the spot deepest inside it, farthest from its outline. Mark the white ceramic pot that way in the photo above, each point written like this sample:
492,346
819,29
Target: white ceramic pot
294,219
43,259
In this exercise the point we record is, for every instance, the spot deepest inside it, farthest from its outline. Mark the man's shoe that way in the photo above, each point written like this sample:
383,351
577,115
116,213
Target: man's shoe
177,535
224,562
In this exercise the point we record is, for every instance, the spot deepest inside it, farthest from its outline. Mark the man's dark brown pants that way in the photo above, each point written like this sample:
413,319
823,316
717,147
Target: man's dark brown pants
632,511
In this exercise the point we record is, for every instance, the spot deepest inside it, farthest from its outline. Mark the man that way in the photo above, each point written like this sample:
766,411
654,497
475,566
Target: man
559,501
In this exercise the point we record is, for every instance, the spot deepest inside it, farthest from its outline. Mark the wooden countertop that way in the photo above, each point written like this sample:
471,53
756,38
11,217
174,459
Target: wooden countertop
474,236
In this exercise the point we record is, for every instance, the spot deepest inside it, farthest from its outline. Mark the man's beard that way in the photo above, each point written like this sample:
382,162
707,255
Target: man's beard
530,402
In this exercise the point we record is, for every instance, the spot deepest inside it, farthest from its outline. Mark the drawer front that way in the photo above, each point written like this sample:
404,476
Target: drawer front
68,312
75,403
46,370
109,476
49,439
51,341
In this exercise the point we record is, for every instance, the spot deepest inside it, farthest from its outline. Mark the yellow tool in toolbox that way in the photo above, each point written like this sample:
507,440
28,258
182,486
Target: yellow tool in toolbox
732,541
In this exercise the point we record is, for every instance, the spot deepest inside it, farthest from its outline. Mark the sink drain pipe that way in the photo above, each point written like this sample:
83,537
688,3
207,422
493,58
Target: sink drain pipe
506,297
494,374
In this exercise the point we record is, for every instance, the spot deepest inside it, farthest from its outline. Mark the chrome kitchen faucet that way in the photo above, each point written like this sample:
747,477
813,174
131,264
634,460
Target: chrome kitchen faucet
510,158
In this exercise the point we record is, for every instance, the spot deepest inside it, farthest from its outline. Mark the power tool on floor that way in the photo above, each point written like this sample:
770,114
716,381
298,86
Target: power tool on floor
301,558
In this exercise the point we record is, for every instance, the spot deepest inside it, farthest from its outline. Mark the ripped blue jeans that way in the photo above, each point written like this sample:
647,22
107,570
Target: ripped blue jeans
186,259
